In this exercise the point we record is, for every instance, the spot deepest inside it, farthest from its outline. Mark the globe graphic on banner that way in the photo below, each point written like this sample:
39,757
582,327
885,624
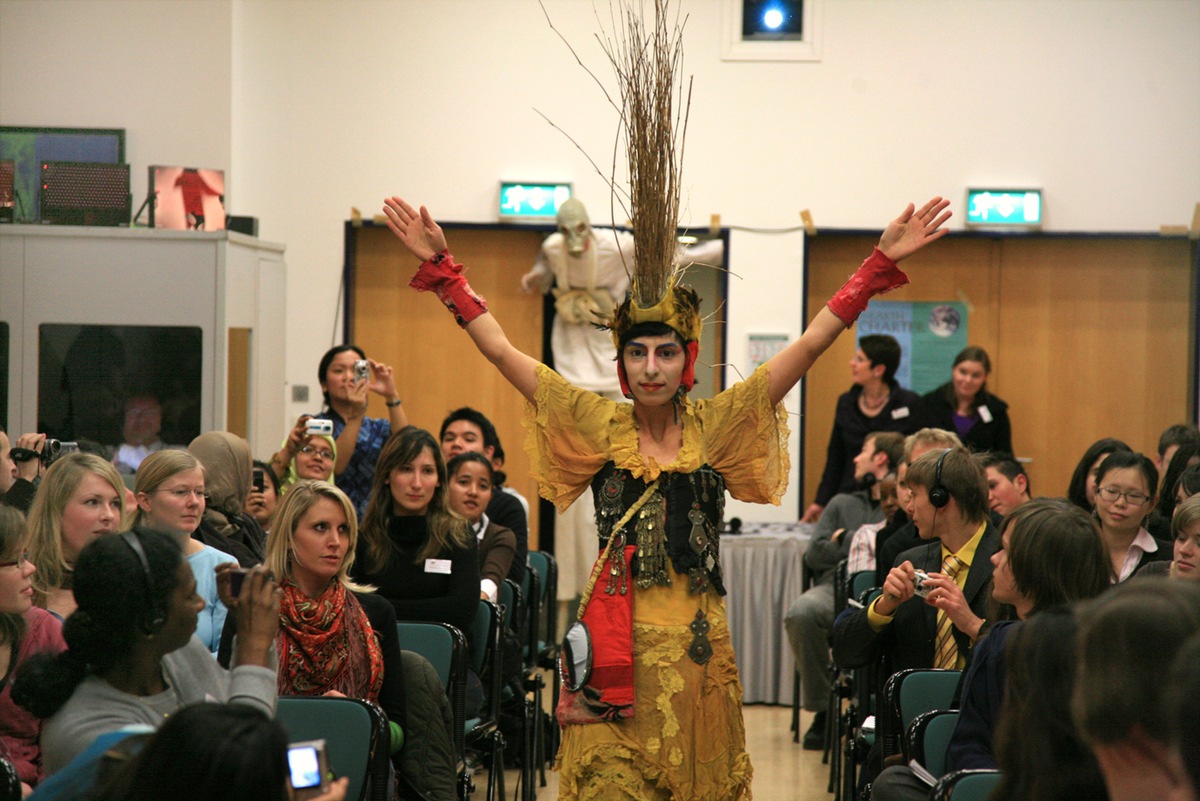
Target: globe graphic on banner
944,320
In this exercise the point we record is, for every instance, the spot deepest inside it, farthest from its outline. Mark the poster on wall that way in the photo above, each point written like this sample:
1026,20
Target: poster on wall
930,334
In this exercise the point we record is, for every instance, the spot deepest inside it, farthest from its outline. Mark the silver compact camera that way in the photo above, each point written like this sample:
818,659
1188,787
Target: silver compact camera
920,587
315,427
362,371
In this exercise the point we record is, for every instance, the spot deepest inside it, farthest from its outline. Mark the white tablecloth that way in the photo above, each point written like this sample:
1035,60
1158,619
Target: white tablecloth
763,569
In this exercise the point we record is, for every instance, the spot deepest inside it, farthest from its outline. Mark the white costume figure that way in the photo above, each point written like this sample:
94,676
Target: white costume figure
587,270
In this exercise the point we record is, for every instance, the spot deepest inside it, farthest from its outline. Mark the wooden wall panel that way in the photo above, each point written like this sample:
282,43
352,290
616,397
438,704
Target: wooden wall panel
437,367
1089,337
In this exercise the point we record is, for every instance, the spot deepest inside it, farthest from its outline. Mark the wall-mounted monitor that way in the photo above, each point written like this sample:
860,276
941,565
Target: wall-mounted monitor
187,198
29,147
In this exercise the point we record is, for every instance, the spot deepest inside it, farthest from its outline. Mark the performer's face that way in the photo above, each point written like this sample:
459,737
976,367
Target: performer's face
653,367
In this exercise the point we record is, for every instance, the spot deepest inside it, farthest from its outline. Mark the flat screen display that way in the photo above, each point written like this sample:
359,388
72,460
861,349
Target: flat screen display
29,147
187,198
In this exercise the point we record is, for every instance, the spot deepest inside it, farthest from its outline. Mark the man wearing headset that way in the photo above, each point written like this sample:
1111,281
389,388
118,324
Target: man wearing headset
934,598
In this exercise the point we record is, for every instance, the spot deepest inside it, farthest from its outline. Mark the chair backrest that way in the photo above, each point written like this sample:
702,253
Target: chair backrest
531,587
355,734
928,737
485,654
446,649
547,570
860,582
965,785
930,689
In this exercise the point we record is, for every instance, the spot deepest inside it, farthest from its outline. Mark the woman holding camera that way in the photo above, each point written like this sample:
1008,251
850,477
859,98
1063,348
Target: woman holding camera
337,637
347,376
131,655
170,497
80,498
309,452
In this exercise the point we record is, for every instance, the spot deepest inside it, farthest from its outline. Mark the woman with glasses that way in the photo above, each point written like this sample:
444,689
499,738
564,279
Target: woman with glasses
1081,490
80,498
170,498
1125,484
304,456
228,479
24,630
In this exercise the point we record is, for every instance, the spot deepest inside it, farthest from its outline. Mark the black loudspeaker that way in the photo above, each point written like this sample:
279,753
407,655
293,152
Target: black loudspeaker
939,496
85,193
243,225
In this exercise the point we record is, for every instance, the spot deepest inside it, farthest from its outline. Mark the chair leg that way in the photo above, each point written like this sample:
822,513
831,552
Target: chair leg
795,705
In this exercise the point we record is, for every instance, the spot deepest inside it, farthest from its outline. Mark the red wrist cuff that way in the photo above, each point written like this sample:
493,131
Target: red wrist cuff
877,274
441,274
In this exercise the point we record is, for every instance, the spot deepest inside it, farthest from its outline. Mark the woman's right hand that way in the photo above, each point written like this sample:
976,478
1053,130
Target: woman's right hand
257,611
420,234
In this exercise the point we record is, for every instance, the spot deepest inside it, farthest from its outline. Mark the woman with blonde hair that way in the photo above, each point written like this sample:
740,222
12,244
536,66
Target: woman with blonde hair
337,638
80,498
1185,534
418,552
171,498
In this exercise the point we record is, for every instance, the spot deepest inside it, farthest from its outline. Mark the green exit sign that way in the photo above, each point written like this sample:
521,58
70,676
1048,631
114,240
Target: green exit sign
1004,207
533,202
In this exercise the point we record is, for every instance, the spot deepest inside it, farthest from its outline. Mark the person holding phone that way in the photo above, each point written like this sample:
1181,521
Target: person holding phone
347,378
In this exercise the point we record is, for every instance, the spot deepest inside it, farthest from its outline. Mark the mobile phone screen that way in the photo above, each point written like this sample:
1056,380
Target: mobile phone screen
304,766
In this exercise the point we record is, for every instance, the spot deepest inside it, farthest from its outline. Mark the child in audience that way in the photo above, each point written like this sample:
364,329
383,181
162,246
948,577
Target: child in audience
470,492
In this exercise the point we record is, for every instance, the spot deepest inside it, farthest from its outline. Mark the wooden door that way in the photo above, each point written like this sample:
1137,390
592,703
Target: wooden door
437,367
1089,337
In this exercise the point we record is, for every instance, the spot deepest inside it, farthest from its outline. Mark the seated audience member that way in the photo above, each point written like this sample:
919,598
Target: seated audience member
1159,522
466,429
1041,754
1183,691
1125,485
1171,439
964,405
304,455
170,498
1051,555
809,617
949,508
25,630
208,751
131,655
902,534
1188,484
339,638
359,438
502,478
260,504
80,498
1128,639
1185,531
411,547
1008,486
1082,489
140,428
862,544
875,402
470,491
228,481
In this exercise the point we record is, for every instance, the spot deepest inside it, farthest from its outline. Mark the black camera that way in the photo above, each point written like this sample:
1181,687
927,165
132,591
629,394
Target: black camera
51,450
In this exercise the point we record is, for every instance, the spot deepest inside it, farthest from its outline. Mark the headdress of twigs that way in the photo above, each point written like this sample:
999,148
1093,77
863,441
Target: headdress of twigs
647,59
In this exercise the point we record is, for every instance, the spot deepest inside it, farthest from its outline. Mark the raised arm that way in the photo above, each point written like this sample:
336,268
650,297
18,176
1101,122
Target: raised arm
904,236
438,273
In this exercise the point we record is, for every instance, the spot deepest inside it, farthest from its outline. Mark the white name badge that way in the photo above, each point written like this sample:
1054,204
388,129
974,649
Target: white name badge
985,414
900,414
437,566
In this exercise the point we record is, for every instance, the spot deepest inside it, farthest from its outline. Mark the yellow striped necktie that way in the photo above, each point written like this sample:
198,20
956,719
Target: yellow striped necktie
945,653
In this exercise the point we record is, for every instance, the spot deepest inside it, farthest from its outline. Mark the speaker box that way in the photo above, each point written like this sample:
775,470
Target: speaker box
243,225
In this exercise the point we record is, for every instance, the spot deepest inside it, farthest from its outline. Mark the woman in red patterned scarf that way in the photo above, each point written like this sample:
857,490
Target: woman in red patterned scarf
338,638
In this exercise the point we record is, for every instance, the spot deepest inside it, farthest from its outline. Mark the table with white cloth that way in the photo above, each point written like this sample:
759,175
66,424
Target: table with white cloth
763,569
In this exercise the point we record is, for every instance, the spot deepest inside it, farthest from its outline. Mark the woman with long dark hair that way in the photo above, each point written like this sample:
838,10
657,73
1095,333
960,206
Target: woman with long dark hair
1081,490
965,406
132,657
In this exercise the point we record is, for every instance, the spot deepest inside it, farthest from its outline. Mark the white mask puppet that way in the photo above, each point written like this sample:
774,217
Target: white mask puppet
573,224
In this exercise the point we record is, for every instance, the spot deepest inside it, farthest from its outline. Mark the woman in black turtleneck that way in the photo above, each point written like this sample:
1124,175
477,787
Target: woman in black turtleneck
411,546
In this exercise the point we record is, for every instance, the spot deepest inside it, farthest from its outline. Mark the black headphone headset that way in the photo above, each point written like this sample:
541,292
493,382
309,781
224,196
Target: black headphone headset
939,496
153,618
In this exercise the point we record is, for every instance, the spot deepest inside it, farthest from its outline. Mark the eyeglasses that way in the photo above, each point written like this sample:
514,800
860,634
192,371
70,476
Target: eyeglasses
322,452
183,493
19,561
1110,494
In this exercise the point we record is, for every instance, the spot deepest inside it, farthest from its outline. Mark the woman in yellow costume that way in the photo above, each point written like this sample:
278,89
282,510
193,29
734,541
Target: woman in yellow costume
655,713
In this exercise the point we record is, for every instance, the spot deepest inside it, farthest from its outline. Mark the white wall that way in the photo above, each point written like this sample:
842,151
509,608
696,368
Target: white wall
318,106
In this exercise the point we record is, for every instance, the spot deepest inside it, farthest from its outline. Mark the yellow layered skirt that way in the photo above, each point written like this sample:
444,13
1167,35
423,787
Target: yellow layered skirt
686,741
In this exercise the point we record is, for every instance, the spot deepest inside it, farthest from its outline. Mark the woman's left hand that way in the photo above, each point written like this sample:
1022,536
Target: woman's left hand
225,572
913,230
337,791
382,381
947,596
257,616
